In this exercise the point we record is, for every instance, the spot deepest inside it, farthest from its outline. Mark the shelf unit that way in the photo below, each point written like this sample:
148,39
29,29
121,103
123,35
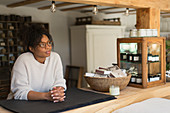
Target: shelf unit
144,57
11,47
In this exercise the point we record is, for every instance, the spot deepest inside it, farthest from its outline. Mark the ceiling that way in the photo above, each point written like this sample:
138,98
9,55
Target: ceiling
63,6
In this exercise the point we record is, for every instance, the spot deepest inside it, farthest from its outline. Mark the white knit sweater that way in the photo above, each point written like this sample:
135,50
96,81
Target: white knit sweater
28,74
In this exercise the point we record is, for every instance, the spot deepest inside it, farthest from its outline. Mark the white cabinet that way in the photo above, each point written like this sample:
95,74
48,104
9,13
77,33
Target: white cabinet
94,45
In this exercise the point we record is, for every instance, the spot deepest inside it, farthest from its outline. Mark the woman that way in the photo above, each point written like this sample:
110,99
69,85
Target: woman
38,74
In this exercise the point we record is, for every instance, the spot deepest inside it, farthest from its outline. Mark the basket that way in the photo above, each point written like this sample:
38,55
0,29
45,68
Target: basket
103,84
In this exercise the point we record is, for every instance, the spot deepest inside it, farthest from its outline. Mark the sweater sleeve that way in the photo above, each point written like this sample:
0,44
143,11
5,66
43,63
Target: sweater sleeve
59,79
19,82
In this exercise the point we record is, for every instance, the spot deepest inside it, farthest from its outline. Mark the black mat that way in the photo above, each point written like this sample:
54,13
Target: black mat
75,98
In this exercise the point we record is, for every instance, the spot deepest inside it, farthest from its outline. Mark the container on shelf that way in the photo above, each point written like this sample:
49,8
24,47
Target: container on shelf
149,32
142,33
123,56
154,32
133,33
136,58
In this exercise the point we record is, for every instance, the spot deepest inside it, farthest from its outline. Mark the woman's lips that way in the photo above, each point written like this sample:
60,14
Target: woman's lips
48,52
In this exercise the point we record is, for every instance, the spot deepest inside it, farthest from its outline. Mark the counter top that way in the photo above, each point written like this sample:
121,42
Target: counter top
127,96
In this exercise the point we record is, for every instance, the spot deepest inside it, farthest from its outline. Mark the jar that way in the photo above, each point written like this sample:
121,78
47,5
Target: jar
114,90
154,78
123,56
133,79
149,32
154,32
156,58
12,58
3,51
11,43
2,43
11,27
136,58
138,80
133,33
4,58
153,58
2,35
141,32
149,57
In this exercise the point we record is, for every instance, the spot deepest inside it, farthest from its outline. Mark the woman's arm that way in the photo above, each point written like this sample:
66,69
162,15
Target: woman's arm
32,95
59,79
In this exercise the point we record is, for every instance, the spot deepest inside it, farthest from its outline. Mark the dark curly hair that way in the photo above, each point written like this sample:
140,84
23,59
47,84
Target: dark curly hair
32,35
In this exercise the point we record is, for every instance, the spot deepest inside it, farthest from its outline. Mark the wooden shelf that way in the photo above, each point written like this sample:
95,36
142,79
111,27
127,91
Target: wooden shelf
144,46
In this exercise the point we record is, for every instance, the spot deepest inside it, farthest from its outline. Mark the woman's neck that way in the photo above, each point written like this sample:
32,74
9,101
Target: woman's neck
39,59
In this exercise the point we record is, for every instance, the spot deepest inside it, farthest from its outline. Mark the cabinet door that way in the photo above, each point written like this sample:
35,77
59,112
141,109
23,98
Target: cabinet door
101,47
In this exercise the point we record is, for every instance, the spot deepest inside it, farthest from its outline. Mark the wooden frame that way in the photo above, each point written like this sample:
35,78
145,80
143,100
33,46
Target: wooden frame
80,75
145,41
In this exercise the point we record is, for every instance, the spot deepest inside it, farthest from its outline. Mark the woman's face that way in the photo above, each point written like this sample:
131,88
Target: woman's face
42,50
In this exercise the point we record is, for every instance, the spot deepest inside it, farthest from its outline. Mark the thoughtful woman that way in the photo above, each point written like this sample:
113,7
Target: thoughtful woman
38,73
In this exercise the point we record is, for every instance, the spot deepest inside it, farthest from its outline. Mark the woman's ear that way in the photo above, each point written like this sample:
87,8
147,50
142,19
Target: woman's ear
31,49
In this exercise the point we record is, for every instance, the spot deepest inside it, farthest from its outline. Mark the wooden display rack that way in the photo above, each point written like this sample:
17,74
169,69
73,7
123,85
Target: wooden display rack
148,69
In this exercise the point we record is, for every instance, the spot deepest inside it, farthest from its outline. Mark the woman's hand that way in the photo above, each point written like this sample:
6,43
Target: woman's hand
57,94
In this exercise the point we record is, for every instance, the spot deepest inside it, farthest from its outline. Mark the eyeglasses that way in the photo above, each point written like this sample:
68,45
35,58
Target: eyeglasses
43,44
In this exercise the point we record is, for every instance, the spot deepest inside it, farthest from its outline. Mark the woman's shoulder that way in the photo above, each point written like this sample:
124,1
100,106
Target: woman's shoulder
24,56
54,54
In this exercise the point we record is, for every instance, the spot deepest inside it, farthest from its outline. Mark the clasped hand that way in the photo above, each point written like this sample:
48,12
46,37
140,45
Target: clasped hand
57,94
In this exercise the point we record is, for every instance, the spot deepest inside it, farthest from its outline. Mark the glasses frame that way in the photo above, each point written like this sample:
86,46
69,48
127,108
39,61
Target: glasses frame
49,43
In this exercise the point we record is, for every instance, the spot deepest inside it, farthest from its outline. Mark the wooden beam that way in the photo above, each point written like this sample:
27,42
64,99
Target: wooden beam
57,5
22,3
119,12
110,8
75,8
166,16
163,5
165,12
148,18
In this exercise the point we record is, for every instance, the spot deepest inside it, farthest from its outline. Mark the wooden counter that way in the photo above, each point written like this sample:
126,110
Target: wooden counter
127,96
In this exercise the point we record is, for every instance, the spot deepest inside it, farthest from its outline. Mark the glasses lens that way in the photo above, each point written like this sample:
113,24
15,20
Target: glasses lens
49,43
42,45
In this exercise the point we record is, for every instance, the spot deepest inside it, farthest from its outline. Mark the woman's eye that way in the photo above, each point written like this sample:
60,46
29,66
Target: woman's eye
42,45
49,43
